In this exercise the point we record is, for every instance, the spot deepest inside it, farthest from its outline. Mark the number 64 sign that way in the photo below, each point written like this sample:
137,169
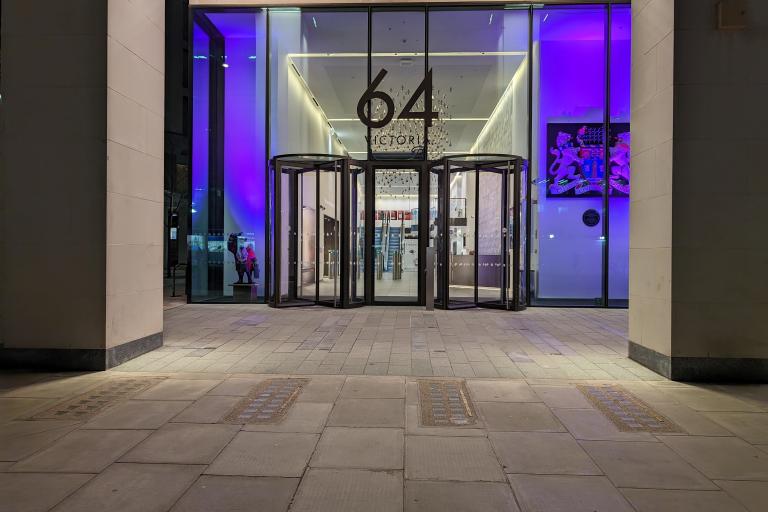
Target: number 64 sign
425,88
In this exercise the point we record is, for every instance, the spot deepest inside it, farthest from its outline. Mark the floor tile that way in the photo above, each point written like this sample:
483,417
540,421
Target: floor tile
451,458
137,414
528,417
645,465
34,492
309,417
423,496
183,443
178,389
723,458
750,426
373,387
265,454
501,391
133,488
368,412
208,409
692,422
238,493
656,500
20,439
82,451
366,448
590,424
349,490
550,493
541,453
752,495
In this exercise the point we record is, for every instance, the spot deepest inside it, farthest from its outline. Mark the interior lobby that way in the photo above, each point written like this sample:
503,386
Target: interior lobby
403,268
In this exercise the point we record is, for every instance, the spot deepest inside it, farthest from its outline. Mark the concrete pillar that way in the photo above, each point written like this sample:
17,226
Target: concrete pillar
82,182
698,226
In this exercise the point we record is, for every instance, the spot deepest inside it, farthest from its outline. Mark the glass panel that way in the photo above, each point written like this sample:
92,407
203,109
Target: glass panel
319,70
490,245
396,234
357,235
618,183
522,198
436,233
229,172
198,239
569,95
306,243
330,243
480,78
461,242
398,46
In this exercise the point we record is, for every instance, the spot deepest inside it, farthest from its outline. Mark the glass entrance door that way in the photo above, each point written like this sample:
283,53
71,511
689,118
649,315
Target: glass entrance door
482,197
306,230
396,240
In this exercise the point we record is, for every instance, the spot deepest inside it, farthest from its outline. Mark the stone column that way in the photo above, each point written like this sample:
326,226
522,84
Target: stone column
699,220
82,148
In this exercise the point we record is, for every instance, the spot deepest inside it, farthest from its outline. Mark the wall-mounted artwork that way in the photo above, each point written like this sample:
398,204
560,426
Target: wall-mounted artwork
576,160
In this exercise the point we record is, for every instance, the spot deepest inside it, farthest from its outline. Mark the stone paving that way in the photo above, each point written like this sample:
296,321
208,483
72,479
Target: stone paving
358,442
559,343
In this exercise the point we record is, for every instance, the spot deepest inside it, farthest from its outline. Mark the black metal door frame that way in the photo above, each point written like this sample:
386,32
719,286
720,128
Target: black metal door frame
422,167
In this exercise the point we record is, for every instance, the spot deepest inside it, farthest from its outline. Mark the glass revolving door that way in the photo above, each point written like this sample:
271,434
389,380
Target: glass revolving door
481,231
310,252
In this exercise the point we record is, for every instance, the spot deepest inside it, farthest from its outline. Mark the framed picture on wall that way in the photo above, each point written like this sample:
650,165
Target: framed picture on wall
576,160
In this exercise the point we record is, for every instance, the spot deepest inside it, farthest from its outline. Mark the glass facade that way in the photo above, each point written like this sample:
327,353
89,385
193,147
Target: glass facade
380,85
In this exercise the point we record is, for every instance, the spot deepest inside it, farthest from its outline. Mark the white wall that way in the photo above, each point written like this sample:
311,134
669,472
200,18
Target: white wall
135,114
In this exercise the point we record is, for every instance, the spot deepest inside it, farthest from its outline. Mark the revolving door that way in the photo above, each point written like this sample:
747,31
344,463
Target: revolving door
315,248
479,231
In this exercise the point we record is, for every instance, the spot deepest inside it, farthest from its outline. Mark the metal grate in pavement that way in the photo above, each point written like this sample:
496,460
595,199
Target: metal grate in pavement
97,399
626,411
268,402
445,403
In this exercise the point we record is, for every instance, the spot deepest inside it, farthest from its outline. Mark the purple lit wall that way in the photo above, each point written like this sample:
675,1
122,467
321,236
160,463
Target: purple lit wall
200,109
244,143
571,90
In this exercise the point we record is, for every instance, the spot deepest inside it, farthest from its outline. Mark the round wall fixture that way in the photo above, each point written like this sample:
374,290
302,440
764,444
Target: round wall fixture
591,217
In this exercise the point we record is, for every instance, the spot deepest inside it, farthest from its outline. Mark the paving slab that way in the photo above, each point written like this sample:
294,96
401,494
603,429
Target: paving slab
657,500
133,488
265,454
750,426
36,492
309,417
208,409
373,387
138,414
238,494
424,496
368,412
562,397
367,448
82,451
349,490
451,458
178,389
722,458
541,453
528,417
20,439
182,443
322,388
501,391
752,495
645,465
591,424
561,493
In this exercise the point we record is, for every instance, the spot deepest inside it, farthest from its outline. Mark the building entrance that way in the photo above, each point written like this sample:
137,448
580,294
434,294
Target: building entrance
346,233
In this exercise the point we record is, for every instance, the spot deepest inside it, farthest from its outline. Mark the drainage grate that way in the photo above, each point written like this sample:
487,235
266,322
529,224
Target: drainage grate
445,403
626,411
267,403
97,399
